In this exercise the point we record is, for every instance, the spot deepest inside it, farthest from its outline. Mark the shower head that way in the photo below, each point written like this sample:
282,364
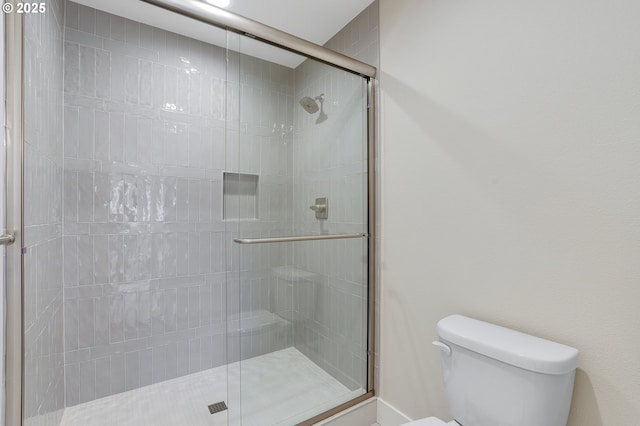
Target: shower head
309,105
322,117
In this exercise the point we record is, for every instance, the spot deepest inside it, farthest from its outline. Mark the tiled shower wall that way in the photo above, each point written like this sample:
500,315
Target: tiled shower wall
330,160
43,293
145,244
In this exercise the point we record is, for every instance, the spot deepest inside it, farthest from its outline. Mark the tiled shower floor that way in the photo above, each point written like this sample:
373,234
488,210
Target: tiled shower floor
280,388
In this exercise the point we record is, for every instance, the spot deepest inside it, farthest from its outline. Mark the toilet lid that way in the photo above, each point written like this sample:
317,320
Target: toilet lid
429,421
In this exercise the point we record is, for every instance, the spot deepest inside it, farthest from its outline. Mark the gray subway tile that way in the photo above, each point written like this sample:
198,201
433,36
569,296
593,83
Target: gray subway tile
85,197
103,26
219,343
71,15
101,198
146,37
170,89
86,133
131,139
71,325
159,363
144,140
116,137
72,384
182,95
206,309
146,83
194,355
70,261
183,308
86,316
87,80
171,360
117,28
146,364
71,122
182,200
171,310
73,357
194,307
206,353
144,314
103,377
159,39
118,374
183,358
101,321
132,32
101,259
119,348
194,254
116,261
130,316
103,74
87,381
118,73
132,370
101,135
182,251
82,292
85,260
82,38
157,85
157,312
131,84
116,322
131,264
86,19
71,197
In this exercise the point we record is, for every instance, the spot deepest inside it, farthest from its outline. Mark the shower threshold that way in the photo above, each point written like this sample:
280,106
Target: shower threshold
280,388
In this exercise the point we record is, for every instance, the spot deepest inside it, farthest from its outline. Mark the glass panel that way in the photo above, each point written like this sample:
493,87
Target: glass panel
231,214
43,355
146,153
302,141
3,197
124,154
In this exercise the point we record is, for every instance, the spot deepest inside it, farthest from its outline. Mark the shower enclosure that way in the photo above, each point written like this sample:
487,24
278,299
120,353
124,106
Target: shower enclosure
191,197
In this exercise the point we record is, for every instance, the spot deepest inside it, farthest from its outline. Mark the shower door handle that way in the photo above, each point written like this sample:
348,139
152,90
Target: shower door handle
297,239
7,239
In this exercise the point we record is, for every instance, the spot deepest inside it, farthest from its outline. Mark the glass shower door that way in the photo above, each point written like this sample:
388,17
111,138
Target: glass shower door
124,283
195,226
297,199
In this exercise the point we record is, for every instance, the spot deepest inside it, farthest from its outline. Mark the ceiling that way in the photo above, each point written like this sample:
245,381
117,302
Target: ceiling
314,20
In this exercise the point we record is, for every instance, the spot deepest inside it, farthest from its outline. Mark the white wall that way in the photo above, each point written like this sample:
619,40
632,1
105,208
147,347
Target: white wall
511,188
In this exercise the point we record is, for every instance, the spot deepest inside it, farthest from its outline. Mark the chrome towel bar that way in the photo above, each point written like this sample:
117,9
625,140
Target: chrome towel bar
302,238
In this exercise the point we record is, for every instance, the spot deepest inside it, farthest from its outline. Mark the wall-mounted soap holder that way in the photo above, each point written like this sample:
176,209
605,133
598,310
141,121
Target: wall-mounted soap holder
321,207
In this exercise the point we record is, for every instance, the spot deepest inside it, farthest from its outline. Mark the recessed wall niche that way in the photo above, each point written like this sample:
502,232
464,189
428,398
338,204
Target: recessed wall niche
240,196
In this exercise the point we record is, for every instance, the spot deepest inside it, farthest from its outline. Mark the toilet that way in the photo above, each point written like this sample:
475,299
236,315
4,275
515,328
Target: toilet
495,376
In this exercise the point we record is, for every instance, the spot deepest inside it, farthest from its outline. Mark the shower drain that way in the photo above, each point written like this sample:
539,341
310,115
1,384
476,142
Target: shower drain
217,407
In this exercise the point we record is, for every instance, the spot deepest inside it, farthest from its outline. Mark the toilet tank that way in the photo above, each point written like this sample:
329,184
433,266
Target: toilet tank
495,376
